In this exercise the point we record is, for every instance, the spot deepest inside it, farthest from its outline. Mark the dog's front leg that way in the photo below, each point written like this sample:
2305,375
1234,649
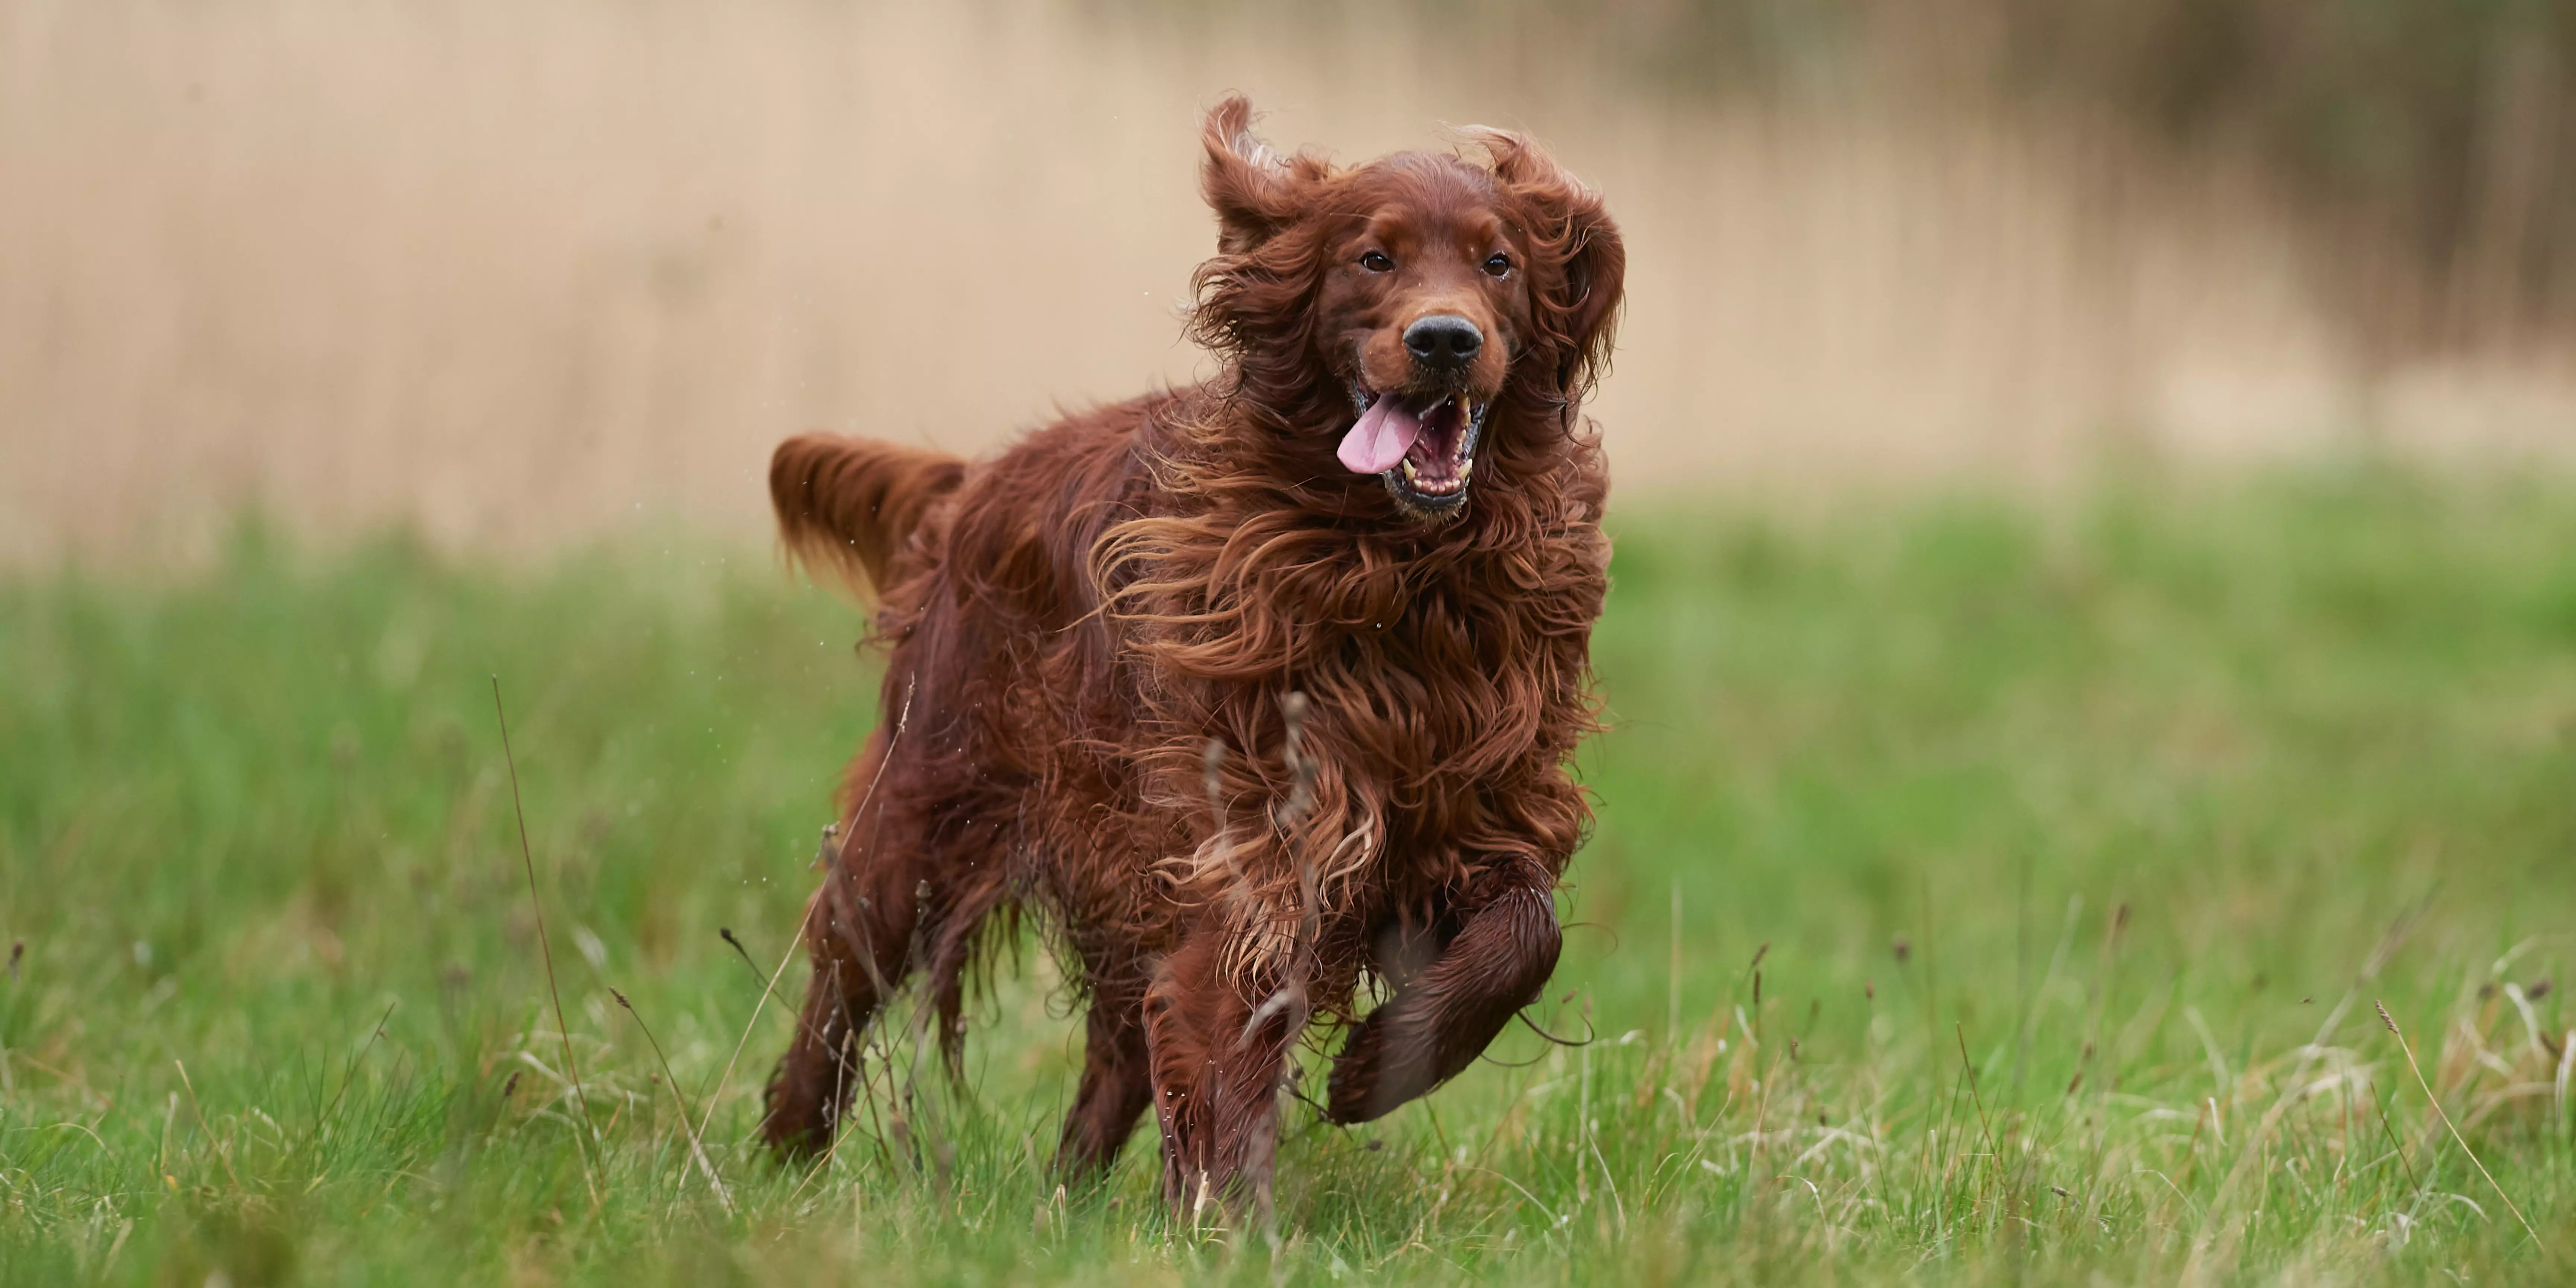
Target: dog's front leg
1217,1052
1444,1016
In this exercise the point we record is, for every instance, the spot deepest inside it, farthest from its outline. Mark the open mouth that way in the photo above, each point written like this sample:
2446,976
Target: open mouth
1424,449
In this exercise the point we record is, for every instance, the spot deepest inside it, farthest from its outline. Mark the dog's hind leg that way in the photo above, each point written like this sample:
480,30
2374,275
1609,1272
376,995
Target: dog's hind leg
859,934
1115,1090
1443,1017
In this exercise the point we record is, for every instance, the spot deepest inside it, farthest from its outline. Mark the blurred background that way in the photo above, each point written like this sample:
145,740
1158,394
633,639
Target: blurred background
2096,609
516,273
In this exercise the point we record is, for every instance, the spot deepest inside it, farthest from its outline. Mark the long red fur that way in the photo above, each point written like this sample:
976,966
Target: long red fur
1068,624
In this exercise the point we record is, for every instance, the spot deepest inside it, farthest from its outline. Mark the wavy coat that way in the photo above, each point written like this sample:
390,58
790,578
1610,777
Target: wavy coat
1091,644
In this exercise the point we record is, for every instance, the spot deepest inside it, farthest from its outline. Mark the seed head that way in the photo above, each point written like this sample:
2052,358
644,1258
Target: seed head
2386,1018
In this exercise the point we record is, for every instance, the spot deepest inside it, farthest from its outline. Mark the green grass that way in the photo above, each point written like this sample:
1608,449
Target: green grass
2073,846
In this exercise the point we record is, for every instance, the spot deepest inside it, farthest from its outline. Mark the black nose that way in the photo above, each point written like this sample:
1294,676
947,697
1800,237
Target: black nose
1444,341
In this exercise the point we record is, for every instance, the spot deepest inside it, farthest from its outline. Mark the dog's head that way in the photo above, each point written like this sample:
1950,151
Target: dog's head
1387,311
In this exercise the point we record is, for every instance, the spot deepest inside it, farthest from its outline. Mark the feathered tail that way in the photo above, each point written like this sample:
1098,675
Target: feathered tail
848,504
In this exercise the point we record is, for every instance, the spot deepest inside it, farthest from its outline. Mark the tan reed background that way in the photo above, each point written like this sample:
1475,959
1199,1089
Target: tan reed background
522,273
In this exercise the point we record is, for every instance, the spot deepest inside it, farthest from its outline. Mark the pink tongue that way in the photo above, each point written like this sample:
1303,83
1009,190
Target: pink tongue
1385,433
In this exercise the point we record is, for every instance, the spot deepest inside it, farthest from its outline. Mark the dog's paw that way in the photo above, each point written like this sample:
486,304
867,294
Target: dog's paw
1352,1092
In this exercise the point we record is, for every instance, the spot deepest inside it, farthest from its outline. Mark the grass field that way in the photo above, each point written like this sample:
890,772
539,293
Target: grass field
1983,891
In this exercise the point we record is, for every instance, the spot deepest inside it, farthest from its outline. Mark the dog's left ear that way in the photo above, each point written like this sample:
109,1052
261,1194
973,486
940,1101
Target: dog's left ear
1246,181
1582,267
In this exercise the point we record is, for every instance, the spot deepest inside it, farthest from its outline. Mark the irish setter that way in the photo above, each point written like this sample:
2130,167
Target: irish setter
1247,693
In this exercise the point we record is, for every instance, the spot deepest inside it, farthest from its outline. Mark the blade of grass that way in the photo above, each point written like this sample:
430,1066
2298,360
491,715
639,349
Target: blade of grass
2445,1114
536,906
696,1150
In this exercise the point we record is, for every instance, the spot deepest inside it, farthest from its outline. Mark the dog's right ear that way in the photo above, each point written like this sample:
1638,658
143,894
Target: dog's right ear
1246,181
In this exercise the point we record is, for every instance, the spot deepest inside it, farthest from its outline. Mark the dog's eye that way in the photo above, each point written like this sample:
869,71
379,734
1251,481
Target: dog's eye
1376,262
1498,265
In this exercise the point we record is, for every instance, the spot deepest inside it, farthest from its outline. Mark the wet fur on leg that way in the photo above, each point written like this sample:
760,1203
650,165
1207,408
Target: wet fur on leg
1218,1062
1495,961
1116,1089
